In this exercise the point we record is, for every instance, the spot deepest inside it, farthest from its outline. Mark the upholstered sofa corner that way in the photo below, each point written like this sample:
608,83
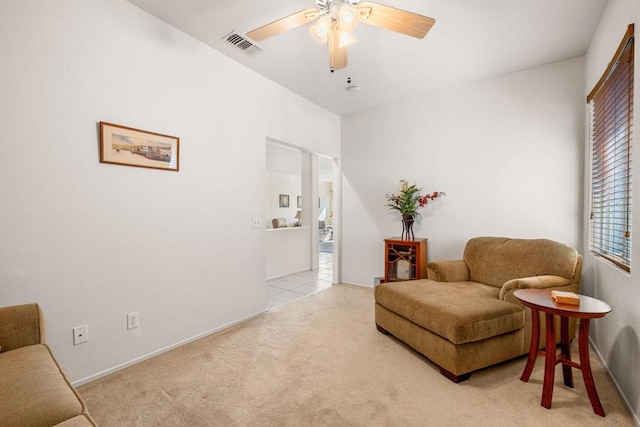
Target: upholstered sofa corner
464,317
33,389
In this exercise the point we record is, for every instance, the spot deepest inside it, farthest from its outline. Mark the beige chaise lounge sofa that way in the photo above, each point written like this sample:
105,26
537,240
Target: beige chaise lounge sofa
33,389
464,317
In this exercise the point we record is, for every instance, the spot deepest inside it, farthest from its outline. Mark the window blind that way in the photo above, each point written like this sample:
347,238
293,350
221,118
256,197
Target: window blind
611,148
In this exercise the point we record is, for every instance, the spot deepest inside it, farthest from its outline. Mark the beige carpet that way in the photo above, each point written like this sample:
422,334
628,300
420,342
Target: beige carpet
321,362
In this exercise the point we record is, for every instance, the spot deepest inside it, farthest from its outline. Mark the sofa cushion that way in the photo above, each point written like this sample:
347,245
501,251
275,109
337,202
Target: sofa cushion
33,390
19,326
79,421
279,222
496,260
461,312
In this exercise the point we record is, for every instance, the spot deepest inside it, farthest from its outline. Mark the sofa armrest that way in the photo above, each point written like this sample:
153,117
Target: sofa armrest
448,271
19,326
537,282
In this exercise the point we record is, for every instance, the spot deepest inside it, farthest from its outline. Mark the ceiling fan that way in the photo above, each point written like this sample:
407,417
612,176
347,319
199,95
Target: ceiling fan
336,19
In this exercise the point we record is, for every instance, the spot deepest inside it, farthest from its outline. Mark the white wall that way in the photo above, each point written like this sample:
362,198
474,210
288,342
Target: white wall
92,242
616,336
508,152
288,251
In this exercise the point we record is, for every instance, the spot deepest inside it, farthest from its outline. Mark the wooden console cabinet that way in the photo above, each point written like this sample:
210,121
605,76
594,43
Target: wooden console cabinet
405,259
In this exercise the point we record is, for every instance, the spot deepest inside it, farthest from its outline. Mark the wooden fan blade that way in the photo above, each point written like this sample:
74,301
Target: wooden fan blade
285,24
401,21
337,54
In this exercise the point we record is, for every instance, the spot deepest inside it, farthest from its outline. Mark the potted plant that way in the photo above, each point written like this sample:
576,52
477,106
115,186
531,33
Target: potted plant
407,202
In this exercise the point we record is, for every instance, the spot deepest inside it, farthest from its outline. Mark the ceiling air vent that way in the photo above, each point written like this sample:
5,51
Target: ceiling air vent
242,43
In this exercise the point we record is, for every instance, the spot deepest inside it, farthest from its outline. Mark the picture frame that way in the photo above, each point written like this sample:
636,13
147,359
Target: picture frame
299,204
122,145
284,200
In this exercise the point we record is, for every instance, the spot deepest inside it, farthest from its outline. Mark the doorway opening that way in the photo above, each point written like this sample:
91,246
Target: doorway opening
301,238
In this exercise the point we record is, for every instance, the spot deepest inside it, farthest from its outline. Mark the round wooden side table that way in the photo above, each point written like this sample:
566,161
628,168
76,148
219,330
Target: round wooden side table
540,300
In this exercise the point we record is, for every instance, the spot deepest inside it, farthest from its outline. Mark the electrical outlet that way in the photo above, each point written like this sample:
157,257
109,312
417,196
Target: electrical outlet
257,222
133,320
80,334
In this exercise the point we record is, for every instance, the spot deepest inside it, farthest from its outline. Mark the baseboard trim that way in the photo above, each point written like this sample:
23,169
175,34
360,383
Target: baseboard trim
304,270
158,352
357,284
620,393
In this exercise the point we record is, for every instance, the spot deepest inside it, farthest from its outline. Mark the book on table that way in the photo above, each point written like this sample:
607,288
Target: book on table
563,297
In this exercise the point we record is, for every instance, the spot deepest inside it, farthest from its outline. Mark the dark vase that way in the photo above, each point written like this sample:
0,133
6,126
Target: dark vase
407,227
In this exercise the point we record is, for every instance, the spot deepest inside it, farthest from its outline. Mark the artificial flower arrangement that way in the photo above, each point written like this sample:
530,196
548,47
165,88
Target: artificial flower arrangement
407,202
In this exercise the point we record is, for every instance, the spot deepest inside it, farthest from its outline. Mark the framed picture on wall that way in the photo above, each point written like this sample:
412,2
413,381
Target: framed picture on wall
284,200
299,202
123,145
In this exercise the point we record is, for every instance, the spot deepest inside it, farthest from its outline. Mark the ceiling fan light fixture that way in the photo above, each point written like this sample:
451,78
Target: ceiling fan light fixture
320,30
336,20
348,17
346,39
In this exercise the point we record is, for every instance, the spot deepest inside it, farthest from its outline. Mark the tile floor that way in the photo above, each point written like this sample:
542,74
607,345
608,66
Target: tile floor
286,289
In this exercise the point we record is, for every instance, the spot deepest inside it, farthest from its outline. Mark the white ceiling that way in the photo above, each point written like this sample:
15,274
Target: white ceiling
472,40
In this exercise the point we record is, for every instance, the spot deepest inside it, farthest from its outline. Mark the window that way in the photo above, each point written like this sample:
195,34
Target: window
611,103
